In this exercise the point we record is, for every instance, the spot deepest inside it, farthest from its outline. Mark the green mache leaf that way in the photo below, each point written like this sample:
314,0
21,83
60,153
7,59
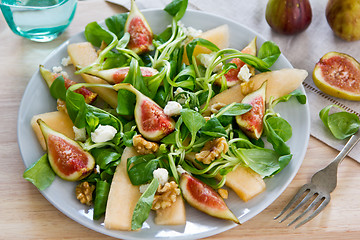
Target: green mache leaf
190,47
143,206
213,128
140,168
263,161
40,173
127,138
58,89
269,52
104,156
300,96
192,120
235,109
341,124
115,60
95,34
76,107
281,127
176,8
101,196
276,141
116,24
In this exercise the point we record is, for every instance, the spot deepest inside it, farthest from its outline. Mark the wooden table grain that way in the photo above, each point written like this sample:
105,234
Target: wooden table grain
26,214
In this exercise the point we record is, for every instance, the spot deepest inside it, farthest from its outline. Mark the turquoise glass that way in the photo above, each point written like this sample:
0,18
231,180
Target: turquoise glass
40,21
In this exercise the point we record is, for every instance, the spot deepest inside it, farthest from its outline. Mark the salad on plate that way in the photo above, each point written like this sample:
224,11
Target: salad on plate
163,119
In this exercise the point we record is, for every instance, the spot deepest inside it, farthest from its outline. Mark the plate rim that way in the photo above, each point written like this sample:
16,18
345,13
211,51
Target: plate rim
119,234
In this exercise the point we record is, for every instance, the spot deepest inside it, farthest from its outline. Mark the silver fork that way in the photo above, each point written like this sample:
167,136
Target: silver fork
322,184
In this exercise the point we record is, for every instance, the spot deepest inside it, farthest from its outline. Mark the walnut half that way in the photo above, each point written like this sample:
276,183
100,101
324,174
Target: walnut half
212,150
165,195
84,192
143,146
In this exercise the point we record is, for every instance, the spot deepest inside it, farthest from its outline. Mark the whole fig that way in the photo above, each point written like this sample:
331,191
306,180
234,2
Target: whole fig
288,16
343,17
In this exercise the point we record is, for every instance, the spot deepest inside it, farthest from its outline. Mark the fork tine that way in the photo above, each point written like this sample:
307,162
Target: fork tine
305,199
294,199
313,204
316,212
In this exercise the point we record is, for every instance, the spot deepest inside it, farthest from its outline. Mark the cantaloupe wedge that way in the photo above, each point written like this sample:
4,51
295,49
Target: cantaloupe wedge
219,36
245,183
58,121
123,196
279,83
173,215
84,54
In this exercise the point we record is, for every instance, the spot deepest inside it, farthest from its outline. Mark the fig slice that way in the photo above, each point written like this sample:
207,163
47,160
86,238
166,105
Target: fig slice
141,35
204,198
117,75
232,75
251,123
338,75
50,77
150,118
66,157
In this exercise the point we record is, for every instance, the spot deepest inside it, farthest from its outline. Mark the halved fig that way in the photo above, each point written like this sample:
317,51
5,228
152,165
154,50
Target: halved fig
49,78
67,158
251,123
204,198
117,75
150,118
141,35
338,75
232,75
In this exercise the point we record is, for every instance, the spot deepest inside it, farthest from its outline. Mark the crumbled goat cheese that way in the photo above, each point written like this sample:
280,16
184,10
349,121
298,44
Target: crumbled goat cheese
80,134
180,170
205,59
172,108
143,187
178,90
190,32
162,175
57,69
244,74
103,133
97,169
64,74
66,61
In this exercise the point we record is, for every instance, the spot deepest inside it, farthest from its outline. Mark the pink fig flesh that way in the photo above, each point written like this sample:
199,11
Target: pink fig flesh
150,118
204,198
251,123
141,35
68,160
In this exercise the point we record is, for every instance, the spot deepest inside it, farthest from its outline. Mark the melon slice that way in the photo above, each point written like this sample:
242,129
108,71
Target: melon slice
279,83
173,215
58,121
219,36
123,196
84,54
245,183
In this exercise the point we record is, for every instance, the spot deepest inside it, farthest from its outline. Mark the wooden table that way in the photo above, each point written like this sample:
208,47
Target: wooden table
26,214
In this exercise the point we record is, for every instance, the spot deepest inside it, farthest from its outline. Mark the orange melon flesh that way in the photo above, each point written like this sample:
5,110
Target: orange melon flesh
123,196
58,121
245,183
173,215
84,54
219,36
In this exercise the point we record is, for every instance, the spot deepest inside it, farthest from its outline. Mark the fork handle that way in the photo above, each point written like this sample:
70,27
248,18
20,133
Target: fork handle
347,148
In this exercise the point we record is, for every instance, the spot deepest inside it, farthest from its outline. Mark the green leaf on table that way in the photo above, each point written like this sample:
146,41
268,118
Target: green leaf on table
40,173
341,124
143,206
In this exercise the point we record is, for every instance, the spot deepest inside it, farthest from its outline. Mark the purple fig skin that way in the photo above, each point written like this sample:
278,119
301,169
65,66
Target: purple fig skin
288,16
204,198
343,17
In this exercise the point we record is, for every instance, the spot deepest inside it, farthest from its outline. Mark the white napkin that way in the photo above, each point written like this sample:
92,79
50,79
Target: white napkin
303,50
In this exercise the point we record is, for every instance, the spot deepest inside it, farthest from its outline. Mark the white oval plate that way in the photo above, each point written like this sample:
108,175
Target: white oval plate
37,99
